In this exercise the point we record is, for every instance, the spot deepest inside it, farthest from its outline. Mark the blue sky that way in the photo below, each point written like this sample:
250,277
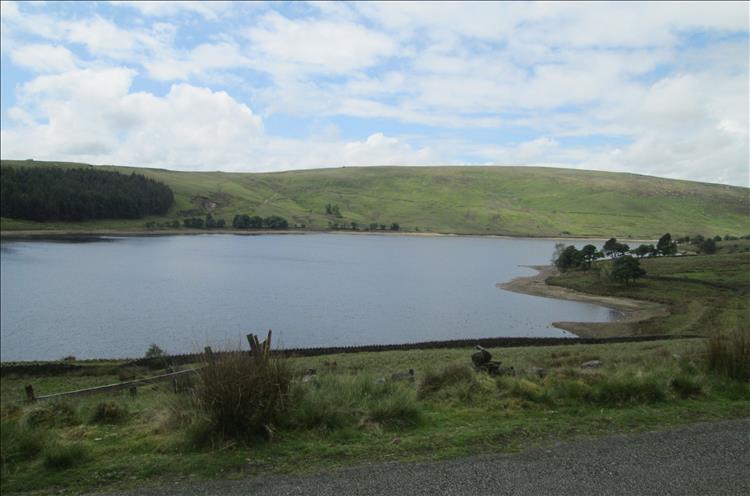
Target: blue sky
648,88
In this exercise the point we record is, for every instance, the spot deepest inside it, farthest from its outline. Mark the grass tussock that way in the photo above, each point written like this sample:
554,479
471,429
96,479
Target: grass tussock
19,443
452,376
729,354
60,456
108,412
339,402
52,414
686,386
243,396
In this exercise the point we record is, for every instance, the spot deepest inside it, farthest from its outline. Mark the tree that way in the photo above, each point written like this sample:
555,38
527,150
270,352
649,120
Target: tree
329,210
559,247
220,223
373,226
625,269
210,222
610,247
275,222
588,253
666,246
155,352
622,249
569,258
395,226
644,250
354,226
708,246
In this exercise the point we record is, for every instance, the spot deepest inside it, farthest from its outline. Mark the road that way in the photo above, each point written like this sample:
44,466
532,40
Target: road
700,459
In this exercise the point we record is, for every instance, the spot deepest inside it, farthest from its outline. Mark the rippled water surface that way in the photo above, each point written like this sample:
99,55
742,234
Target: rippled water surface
114,297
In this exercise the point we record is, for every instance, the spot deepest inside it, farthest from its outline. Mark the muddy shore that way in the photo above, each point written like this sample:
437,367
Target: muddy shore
632,310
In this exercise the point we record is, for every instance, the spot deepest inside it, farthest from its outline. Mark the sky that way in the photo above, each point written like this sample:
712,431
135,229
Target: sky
647,88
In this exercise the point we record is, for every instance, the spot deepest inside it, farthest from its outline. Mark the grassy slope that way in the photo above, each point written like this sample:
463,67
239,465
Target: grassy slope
472,200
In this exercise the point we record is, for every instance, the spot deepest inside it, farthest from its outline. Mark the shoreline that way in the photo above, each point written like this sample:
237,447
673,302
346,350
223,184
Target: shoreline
632,310
62,234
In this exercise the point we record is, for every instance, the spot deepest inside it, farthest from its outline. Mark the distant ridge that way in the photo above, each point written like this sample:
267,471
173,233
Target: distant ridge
516,201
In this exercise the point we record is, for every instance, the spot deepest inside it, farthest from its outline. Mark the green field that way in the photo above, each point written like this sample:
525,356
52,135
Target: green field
519,201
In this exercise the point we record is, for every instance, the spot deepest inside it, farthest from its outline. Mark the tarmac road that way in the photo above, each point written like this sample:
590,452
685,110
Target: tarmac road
700,459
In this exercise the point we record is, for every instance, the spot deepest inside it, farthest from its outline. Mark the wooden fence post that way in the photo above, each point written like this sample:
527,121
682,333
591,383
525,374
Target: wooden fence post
259,350
30,393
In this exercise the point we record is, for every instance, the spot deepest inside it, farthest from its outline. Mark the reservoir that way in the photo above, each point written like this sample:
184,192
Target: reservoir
113,297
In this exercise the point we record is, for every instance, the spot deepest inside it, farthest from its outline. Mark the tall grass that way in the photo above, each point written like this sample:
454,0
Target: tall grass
729,354
60,456
451,376
19,443
242,395
337,402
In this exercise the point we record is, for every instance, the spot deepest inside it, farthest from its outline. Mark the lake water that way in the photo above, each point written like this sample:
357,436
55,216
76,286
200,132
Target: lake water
114,297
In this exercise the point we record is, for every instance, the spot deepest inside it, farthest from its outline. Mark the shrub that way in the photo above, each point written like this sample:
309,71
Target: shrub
242,395
60,456
686,386
729,354
452,375
108,412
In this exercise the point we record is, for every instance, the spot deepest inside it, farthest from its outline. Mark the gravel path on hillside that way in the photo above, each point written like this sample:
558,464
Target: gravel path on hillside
701,459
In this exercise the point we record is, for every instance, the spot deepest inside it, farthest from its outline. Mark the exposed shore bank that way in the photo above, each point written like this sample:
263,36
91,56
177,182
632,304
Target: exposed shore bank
631,310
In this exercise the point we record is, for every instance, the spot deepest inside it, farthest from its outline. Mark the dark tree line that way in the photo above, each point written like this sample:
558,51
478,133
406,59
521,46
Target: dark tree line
256,222
626,268
50,194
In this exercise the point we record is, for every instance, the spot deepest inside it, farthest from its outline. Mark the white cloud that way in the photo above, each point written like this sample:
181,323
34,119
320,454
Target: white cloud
199,61
44,58
91,115
673,103
318,45
209,10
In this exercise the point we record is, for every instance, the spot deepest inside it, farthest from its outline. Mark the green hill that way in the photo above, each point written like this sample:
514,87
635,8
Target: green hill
532,201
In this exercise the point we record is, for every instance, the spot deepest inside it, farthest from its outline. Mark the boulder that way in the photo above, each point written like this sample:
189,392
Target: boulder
481,356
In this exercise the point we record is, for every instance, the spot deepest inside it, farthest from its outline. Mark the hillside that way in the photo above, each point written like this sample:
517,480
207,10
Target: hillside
530,201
